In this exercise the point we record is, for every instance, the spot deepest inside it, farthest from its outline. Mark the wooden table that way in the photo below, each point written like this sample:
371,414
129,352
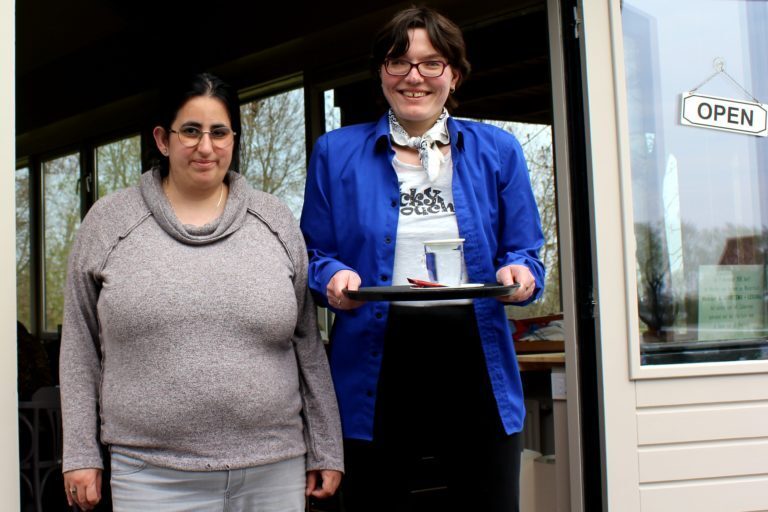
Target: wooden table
540,355
533,362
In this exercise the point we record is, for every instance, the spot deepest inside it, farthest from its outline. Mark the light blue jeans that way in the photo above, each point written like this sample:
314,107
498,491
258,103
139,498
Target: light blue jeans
141,487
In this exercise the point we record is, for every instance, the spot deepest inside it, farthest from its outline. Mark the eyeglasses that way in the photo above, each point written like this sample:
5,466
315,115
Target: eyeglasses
427,69
190,136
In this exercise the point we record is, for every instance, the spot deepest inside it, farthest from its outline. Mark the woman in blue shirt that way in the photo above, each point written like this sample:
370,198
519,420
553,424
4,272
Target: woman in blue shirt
423,379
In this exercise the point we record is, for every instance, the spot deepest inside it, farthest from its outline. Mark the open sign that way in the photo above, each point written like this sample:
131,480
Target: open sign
724,114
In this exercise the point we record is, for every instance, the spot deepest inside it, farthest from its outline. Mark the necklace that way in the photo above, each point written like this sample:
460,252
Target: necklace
221,195
166,186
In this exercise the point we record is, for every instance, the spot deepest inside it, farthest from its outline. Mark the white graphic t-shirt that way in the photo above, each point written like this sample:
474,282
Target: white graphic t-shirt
426,213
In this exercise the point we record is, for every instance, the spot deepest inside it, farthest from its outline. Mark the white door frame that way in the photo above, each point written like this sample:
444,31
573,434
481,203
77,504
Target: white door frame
9,436
602,80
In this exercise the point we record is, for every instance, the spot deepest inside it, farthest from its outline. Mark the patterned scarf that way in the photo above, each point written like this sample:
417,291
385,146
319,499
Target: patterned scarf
429,153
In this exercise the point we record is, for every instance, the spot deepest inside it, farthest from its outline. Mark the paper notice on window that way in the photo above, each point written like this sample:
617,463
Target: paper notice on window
731,302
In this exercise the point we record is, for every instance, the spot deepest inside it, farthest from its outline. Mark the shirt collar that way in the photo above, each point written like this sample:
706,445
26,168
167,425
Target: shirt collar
457,134
381,133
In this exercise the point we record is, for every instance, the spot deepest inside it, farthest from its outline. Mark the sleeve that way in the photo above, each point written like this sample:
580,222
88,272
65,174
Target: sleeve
322,424
520,236
80,360
317,224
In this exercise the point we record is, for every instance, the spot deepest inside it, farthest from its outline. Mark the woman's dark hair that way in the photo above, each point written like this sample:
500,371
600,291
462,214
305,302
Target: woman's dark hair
174,97
392,41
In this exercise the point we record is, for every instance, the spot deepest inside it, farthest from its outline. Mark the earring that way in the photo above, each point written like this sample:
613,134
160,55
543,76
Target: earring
453,90
165,152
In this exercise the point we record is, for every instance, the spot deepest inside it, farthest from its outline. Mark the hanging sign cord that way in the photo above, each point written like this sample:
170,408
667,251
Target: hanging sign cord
719,65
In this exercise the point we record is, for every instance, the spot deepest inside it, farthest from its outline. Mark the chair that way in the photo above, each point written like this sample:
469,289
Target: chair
40,418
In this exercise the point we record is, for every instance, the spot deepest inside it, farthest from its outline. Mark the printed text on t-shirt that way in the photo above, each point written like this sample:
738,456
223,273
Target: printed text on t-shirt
429,202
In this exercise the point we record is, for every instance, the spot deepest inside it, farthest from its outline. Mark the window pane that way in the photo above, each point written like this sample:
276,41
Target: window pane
332,112
23,250
536,140
273,153
698,193
118,165
61,202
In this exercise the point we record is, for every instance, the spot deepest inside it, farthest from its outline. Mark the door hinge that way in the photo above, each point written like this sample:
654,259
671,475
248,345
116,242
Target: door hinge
589,305
576,22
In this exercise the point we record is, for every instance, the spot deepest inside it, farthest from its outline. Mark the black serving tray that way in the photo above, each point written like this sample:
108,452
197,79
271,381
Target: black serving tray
409,293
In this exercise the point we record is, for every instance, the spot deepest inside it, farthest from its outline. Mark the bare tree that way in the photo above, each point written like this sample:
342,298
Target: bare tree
273,146
118,165
62,218
657,308
23,249
538,155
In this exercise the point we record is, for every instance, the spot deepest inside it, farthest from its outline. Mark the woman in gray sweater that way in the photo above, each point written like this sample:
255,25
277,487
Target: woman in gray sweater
189,344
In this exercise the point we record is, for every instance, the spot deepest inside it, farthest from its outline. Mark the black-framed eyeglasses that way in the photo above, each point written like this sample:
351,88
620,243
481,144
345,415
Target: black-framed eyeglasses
190,136
427,68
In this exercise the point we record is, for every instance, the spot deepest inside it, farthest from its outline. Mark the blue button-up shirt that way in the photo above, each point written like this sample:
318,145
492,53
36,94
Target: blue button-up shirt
349,220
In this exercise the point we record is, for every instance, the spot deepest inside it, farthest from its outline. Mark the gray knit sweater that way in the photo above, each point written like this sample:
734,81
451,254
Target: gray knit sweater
193,348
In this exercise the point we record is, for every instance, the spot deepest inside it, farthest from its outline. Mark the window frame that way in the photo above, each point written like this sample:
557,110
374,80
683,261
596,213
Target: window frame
29,164
86,152
40,305
637,370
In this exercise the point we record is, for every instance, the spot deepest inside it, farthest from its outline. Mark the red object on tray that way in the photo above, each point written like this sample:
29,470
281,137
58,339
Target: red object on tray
424,284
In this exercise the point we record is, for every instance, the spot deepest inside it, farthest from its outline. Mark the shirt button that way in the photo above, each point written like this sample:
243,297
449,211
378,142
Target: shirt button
394,204
388,240
369,393
379,315
384,278
375,354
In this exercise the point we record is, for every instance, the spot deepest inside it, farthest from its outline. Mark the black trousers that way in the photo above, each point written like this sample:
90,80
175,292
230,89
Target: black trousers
436,424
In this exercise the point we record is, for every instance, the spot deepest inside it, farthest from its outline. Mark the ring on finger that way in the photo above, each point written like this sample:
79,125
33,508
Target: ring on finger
73,491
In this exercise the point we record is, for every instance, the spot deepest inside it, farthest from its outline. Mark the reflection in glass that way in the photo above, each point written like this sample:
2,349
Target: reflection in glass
61,203
118,165
272,146
23,250
698,193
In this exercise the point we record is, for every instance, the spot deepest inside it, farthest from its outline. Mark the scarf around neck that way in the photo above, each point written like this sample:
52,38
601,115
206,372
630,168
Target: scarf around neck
429,153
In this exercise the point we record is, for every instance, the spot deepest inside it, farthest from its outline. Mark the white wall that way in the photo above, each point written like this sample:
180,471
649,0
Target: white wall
9,462
703,442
